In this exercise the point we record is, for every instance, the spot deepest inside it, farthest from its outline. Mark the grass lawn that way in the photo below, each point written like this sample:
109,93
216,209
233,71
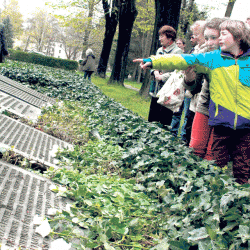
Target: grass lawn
133,84
127,97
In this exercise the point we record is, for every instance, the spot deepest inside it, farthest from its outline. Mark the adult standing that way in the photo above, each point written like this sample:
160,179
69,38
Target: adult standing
3,48
89,64
176,119
181,44
157,112
191,95
193,42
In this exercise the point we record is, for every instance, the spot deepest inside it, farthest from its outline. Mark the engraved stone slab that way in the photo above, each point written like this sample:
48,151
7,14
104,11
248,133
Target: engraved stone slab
19,107
29,142
24,93
23,195
25,89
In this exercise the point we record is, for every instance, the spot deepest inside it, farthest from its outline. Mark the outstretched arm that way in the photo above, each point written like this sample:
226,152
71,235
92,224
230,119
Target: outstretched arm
144,63
171,62
163,62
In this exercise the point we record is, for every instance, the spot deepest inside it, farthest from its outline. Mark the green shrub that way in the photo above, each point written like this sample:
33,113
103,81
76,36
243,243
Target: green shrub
43,60
157,196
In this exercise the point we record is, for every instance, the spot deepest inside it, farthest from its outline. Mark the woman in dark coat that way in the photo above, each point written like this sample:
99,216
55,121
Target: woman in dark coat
89,64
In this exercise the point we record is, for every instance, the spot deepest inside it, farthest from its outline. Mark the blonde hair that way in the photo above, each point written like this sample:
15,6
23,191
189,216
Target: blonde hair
89,52
215,23
239,31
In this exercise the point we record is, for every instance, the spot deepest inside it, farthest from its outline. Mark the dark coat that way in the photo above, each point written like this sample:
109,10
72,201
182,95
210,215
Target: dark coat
3,49
90,63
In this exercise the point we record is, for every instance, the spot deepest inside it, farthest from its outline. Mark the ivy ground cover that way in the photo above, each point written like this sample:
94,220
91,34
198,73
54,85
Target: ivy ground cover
133,185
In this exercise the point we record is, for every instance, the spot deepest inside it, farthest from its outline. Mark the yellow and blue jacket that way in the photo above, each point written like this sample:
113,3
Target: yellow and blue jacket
229,83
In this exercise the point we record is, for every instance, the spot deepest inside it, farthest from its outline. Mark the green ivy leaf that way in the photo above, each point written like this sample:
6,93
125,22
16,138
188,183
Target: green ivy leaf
243,233
198,234
108,246
179,245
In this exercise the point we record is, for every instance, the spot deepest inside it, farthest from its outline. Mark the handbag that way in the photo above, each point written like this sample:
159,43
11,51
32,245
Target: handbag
84,62
171,95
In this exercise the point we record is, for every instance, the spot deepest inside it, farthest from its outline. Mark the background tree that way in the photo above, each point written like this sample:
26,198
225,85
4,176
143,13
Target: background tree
80,14
229,9
89,23
127,15
51,35
8,32
72,42
96,39
12,10
71,37
41,30
141,37
111,20
188,15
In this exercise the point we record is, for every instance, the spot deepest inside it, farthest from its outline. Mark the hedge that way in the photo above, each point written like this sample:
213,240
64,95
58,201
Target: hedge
43,60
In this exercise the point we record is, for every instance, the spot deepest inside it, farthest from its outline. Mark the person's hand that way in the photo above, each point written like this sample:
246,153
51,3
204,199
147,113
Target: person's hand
190,74
158,75
142,64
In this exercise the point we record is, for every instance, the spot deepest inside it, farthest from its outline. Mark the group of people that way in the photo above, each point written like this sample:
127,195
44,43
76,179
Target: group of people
217,87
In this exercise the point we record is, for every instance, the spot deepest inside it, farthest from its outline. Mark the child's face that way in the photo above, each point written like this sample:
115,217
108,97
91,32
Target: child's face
212,38
227,42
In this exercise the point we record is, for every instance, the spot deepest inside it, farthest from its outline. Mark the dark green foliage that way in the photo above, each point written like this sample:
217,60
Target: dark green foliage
188,15
8,32
43,60
163,198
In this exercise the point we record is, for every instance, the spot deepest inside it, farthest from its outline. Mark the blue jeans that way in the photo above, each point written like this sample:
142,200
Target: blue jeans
176,119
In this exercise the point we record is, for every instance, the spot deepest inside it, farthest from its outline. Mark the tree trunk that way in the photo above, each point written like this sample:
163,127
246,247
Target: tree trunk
230,6
167,13
127,17
88,28
133,76
139,75
27,44
190,9
184,4
191,5
110,29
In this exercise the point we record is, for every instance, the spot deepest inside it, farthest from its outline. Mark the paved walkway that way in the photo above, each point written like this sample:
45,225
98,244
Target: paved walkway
24,194
130,87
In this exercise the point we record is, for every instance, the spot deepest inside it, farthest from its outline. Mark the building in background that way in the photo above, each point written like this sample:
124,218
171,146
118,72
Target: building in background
54,49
